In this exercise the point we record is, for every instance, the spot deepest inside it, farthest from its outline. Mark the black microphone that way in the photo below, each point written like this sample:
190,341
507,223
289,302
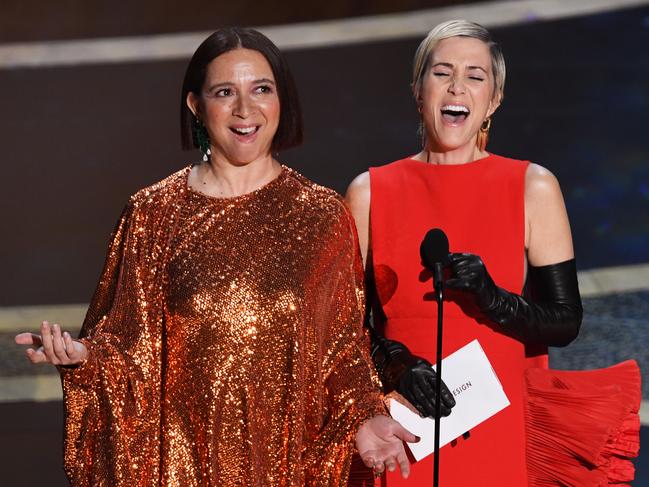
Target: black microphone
434,253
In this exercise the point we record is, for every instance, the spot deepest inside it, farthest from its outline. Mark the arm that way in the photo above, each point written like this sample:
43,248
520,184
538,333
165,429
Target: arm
353,403
112,399
357,198
413,377
549,312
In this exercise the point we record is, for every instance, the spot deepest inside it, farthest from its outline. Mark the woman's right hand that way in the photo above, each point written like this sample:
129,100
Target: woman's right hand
53,346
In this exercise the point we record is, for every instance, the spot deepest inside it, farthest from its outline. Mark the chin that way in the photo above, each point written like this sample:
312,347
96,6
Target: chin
243,158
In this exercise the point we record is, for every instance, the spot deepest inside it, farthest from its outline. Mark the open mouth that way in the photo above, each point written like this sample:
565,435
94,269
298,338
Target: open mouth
455,114
245,131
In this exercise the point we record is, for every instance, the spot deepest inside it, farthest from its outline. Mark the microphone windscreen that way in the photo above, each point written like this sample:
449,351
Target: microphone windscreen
434,248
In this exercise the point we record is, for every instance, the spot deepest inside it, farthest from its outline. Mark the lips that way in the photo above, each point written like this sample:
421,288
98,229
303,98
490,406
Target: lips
455,114
245,131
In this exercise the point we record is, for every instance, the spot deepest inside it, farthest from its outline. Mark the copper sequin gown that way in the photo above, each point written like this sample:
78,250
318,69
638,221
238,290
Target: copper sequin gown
226,345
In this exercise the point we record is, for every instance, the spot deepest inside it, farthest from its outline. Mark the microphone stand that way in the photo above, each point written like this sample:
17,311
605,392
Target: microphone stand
438,284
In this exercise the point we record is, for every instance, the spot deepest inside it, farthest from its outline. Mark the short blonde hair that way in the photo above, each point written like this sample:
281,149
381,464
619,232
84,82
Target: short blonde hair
453,28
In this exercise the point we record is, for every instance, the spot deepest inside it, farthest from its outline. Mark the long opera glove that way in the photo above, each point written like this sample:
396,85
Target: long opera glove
550,311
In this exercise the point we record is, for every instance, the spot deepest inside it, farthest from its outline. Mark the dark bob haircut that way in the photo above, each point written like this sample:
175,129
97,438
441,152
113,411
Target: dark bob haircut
289,131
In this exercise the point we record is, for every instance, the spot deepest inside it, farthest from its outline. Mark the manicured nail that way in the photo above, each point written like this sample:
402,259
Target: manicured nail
417,439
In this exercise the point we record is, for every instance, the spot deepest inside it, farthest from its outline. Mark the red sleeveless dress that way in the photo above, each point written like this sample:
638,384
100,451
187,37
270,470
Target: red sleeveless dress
537,440
480,206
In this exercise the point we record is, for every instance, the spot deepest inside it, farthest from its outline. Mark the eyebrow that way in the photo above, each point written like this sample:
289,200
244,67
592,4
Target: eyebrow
450,66
230,83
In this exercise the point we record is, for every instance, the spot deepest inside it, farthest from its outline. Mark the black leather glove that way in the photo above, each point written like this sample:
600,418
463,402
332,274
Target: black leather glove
550,313
411,376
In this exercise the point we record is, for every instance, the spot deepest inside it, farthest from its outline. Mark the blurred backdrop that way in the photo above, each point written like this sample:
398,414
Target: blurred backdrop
89,104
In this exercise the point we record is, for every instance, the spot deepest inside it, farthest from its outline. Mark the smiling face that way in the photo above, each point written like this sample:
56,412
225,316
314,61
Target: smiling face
457,94
239,106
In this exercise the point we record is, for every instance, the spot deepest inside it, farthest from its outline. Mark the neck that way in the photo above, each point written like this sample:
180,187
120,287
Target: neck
224,179
461,155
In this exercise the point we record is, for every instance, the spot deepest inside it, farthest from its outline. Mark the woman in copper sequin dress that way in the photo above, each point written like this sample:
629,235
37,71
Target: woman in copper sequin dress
224,345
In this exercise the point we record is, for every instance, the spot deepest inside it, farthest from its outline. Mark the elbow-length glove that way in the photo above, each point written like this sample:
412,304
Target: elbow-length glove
550,311
411,376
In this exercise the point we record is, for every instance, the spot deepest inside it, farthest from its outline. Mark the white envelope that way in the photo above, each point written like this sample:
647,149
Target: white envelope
478,396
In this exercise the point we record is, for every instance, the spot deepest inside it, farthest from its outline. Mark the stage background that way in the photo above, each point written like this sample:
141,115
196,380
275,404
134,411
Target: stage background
76,140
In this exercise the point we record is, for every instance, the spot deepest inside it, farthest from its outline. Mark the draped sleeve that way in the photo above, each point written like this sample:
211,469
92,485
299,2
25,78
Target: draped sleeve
112,401
351,386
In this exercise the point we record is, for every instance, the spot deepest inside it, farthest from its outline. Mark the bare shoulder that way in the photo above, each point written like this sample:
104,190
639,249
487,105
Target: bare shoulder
358,200
541,184
358,191
548,237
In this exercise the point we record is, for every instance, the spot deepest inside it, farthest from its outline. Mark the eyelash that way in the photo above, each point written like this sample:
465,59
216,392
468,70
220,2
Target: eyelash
223,92
476,78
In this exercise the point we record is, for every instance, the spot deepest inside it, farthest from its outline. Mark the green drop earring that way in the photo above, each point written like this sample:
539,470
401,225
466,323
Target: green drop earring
201,138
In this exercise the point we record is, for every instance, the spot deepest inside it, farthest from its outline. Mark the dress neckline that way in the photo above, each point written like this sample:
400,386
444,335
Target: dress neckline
235,199
451,167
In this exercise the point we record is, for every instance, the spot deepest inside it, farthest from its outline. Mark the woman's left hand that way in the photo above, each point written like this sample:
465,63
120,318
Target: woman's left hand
380,444
468,273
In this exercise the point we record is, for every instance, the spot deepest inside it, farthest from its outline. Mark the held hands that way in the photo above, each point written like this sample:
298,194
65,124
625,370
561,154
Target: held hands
52,346
379,442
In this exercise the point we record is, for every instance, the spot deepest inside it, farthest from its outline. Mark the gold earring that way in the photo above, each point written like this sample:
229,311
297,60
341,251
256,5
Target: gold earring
483,134
486,125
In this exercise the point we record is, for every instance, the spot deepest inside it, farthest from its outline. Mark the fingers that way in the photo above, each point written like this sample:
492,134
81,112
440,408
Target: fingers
447,398
404,464
52,346
46,337
425,395
70,349
28,339
58,345
458,257
465,268
36,356
371,462
418,399
403,434
368,460
58,348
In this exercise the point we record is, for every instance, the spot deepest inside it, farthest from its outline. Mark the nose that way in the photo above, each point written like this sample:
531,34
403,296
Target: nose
243,106
456,86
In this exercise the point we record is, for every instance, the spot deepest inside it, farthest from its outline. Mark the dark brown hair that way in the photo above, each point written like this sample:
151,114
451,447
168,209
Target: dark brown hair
289,132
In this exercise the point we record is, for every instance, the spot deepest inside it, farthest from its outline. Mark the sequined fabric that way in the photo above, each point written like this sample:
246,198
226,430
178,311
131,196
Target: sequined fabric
226,346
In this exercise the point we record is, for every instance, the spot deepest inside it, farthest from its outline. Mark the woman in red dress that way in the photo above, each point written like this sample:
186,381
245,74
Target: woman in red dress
508,229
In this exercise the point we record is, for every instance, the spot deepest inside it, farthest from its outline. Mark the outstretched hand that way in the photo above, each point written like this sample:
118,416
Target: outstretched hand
379,442
52,346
